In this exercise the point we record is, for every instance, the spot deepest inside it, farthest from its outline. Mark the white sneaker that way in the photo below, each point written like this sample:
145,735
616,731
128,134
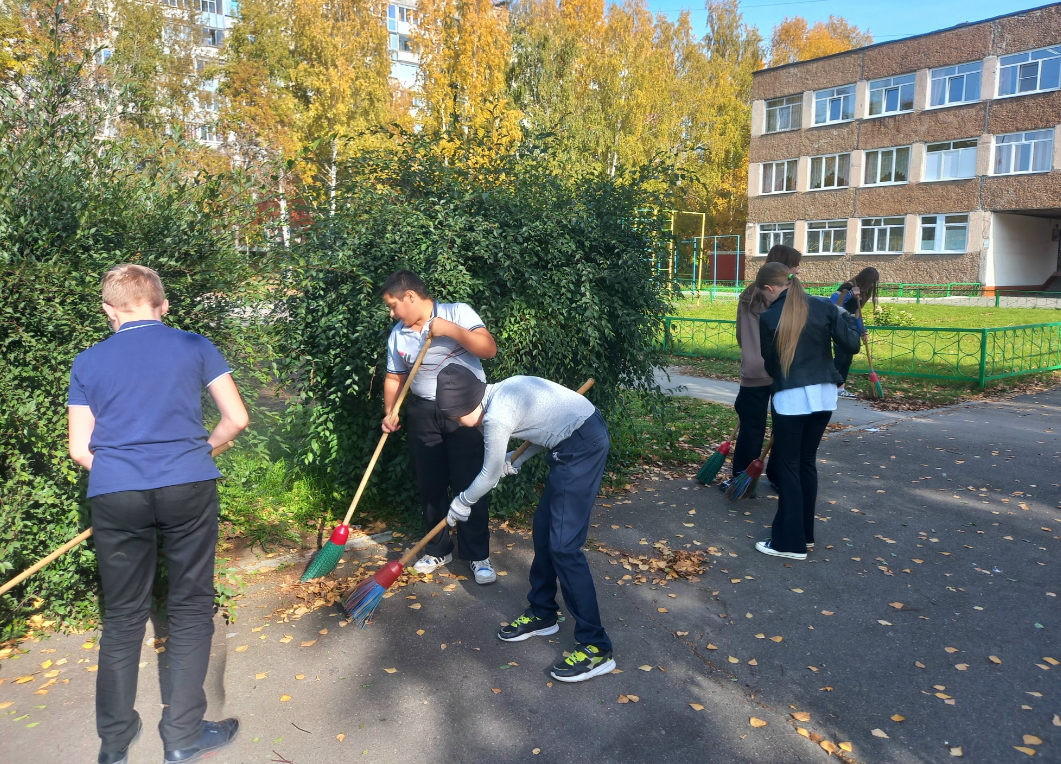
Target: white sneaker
484,571
427,563
765,548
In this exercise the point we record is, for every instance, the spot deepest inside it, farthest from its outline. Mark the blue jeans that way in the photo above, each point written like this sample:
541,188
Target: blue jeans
561,523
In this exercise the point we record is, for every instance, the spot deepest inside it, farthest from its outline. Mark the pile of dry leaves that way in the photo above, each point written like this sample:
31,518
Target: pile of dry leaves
664,565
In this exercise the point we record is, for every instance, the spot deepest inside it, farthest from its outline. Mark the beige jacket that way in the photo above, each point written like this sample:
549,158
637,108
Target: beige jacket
752,369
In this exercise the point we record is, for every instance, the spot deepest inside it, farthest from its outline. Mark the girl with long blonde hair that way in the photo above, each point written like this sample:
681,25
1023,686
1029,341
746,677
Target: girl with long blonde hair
797,333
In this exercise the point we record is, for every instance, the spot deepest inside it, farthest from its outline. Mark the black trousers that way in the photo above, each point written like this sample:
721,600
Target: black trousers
447,456
842,361
751,407
125,526
561,523
796,440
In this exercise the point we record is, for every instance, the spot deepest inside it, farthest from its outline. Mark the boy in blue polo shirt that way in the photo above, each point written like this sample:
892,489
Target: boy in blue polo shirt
136,423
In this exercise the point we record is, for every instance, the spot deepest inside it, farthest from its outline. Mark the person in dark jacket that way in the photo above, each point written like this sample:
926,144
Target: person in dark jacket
796,334
753,398
852,296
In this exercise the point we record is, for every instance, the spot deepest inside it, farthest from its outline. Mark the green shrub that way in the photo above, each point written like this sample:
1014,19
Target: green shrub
558,267
885,315
71,207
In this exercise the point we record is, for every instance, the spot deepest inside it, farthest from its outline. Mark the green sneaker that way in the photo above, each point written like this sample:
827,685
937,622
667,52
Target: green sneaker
584,662
527,626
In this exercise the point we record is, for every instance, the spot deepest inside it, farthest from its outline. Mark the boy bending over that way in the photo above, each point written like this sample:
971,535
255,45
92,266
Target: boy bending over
573,431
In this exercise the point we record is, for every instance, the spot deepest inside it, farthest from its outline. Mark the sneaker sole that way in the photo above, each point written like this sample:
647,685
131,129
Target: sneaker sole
486,581
774,553
539,633
604,668
210,751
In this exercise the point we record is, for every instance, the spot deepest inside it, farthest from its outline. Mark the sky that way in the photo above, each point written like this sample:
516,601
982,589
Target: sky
886,19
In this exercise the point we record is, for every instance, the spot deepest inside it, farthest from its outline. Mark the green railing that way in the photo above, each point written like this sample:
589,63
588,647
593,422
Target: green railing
965,355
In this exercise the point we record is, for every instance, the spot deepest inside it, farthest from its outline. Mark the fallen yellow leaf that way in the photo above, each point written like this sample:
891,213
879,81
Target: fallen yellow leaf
961,666
995,659
285,698
50,674
846,747
753,662
286,638
661,610
756,722
419,632
919,664
6,703
242,648
633,698
309,643
696,706
1057,720
760,636
646,667
87,646
300,677
896,605
1032,740
711,647
340,737
536,751
878,733
390,670
951,649
798,591
1022,749
497,690
261,675
802,731
734,660
776,639
415,606
898,718
323,631
801,716
623,699
829,746
93,668
956,751
1051,661
46,664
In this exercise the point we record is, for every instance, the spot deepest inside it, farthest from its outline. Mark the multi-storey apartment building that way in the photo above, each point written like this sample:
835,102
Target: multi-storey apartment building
934,158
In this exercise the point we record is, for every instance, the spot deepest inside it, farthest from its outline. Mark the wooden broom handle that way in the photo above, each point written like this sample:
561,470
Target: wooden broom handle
733,435
526,444
383,438
412,553
77,540
865,339
766,448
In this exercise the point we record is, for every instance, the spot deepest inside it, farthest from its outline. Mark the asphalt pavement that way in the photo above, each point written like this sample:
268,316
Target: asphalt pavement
925,625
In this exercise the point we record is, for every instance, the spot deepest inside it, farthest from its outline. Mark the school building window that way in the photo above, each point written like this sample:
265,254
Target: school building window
826,237
776,233
830,171
1023,152
951,160
944,233
784,114
779,177
955,84
213,37
834,105
1029,72
883,234
892,95
887,166
210,6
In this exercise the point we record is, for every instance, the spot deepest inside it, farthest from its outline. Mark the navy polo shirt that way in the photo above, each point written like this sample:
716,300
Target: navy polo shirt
144,386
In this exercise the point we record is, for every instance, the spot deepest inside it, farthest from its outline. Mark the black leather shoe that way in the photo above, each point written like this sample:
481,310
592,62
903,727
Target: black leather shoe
216,735
122,756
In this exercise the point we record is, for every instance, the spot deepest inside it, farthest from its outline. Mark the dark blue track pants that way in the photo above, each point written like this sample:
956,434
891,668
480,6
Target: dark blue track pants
561,523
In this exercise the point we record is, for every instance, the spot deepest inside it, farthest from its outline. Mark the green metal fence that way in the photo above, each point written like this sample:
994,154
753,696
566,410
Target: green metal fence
964,355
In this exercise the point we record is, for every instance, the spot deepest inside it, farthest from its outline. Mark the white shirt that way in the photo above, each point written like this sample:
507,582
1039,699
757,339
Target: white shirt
404,343
806,400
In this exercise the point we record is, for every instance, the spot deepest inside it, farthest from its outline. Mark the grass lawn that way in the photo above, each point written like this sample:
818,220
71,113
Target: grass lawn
968,317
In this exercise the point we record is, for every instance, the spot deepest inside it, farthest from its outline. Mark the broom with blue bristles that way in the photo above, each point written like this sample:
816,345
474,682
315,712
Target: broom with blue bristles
744,484
327,557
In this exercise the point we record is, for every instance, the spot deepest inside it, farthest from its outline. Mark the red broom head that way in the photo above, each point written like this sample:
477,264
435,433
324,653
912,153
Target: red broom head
873,377
755,469
340,535
724,448
388,574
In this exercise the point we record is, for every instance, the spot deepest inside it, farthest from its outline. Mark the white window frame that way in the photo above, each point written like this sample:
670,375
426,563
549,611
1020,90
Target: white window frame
208,134
942,81
881,225
825,232
900,86
938,160
770,169
941,225
1008,149
842,97
822,163
209,6
895,152
213,37
1020,67
776,233
792,105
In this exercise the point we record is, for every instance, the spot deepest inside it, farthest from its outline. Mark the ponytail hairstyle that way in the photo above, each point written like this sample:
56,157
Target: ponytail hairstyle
866,281
793,315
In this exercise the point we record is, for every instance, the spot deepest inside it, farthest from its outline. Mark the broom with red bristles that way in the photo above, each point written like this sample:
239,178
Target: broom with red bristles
361,603
327,557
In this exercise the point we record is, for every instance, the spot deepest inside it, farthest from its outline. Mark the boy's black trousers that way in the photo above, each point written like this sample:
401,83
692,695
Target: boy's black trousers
561,524
842,360
125,526
447,456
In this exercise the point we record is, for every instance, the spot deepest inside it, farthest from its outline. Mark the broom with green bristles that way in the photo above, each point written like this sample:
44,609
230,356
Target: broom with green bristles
714,463
327,557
